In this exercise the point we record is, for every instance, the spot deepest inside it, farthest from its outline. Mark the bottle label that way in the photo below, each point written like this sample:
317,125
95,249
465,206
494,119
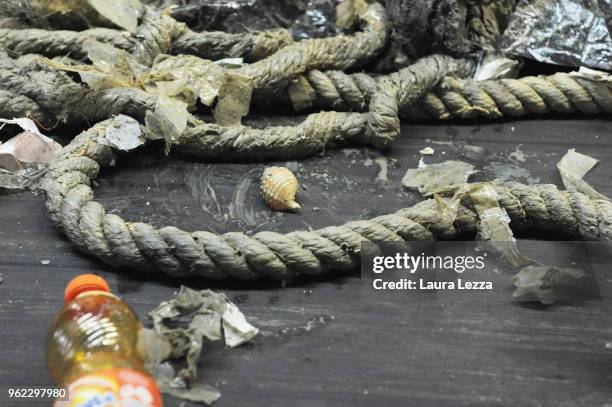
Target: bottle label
113,388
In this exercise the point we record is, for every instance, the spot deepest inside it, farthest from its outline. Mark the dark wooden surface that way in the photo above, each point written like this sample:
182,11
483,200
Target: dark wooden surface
322,343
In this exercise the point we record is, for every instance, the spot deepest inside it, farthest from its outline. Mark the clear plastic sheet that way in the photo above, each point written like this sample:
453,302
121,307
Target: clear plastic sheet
562,32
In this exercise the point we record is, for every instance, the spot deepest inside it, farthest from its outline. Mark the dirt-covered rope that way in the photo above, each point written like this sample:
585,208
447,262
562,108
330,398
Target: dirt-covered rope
156,35
402,88
561,92
340,52
31,88
55,93
16,105
458,98
71,204
316,133
60,42
214,45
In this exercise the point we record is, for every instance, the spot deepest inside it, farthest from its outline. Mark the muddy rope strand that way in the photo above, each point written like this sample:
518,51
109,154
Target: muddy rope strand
70,201
456,98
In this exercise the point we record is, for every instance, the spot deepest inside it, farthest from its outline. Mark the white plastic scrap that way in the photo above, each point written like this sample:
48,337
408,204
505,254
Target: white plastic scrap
573,167
427,151
24,157
430,178
125,134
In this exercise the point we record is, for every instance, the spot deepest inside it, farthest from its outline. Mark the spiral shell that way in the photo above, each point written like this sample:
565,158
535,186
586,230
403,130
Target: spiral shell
278,188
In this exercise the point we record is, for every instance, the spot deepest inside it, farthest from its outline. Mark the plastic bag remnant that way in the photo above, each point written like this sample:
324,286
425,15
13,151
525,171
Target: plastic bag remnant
572,168
539,282
117,13
179,328
234,99
167,121
125,134
432,178
562,32
111,68
24,157
198,78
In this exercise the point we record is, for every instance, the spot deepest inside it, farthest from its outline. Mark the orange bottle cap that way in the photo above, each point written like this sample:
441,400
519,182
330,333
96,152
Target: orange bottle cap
84,283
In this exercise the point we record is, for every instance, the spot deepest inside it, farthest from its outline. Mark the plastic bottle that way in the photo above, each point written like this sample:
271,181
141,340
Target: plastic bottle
92,349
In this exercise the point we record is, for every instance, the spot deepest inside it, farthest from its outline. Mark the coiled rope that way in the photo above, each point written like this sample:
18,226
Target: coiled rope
70,201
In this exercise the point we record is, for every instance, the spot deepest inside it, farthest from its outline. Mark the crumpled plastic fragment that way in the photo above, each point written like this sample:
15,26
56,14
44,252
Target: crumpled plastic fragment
561,32
27,150
539,282
24,157
167,121
123,13
111,67
115,13
191,76
125,134
572,168
165,375
234,99
21,180
494,231
180,326
434,178
492,65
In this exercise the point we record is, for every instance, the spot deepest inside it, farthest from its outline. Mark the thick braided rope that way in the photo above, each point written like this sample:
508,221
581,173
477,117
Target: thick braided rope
52,91
15,105
60,42
251,46
156,35
70,201
403,88
28,87
457,98
561,92
317,132
340,52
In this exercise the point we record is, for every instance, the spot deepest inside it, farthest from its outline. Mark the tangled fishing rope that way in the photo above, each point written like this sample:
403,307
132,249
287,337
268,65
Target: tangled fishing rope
308,73
71,204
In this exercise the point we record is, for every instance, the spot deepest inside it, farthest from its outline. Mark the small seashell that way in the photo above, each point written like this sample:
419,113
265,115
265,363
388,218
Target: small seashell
278,188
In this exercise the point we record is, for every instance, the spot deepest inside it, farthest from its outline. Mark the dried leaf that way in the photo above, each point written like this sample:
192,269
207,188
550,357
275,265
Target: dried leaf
121,13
